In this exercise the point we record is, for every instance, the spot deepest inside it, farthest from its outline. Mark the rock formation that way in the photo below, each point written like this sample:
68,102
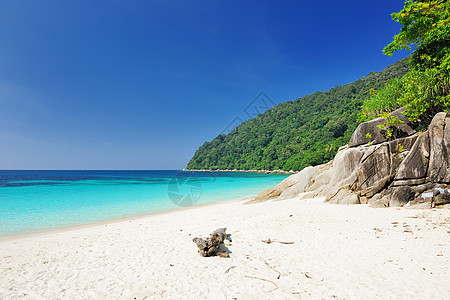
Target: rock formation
413,169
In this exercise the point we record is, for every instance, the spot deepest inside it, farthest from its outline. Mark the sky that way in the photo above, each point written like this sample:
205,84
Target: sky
140,85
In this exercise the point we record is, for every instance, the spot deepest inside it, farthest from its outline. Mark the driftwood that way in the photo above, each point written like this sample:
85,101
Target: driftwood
210,245
254,277
279,273
269,241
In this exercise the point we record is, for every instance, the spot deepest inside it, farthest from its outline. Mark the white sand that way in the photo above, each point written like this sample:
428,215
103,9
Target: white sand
345,252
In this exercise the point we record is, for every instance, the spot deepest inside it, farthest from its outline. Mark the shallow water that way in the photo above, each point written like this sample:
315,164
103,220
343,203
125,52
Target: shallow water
39,200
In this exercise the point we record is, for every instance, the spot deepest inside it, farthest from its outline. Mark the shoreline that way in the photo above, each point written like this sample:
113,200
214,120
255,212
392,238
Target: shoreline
35,233
243,171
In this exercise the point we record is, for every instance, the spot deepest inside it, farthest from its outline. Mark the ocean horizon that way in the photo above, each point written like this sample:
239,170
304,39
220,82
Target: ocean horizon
38,200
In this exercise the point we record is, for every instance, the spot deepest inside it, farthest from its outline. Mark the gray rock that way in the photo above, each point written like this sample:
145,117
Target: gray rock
409,182
375,166
379,202
321,178
399,149
306,195
386,173
439,132
343,196
345,163
441,199
368,132
376,187
404,129
415,164
400,196
302,180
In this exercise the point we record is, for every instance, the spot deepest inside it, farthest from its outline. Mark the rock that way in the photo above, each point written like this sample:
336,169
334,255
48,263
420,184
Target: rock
376,187
348,183
302,181
306,195
368,132
320,179
385,173
415,164
400,196
379,201
404,129
418,190
343,196
399,149
422,202
375,166
409,182
441,199
439,132
345,163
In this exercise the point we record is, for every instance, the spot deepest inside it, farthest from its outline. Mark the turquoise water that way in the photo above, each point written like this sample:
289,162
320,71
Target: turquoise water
39,200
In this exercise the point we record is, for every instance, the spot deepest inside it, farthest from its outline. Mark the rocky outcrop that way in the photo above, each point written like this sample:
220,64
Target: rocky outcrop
288,188
369,132
411,170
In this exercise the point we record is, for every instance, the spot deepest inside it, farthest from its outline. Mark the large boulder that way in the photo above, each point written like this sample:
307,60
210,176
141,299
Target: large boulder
369,132
344,196
320,179
400,196
415,164
302,181
375,166
439,132
399,149
297,182
345,163
405,128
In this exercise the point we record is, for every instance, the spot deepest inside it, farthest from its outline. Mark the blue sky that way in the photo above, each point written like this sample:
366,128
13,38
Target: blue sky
141,84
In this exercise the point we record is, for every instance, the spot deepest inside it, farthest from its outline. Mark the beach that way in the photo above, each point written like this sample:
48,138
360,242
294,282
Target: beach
317,251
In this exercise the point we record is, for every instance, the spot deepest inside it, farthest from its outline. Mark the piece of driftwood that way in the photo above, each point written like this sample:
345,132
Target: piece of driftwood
269,241
254,277
210,245
279,273
228,270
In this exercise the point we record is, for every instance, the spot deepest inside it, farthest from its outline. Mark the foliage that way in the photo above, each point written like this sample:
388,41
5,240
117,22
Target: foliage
425,25
391,121
294,134
382,101
425,89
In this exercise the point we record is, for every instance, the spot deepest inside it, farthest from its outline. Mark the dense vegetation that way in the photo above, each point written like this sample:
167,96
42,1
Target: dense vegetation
295,134
425,89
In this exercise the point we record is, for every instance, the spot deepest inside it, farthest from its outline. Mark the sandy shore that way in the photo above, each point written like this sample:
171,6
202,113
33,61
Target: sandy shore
344,252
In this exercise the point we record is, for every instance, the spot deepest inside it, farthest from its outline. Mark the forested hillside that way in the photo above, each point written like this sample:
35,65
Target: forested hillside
295,134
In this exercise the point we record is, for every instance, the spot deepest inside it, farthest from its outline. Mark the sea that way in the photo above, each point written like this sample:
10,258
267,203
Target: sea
33,201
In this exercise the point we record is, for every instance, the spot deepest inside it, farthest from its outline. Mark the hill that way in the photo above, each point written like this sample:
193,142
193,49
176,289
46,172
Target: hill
295,134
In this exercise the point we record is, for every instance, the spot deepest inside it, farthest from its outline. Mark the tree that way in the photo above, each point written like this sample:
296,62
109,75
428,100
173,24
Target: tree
425,89
426,26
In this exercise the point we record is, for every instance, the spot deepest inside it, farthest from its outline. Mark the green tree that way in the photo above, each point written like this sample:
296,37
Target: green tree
425,89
